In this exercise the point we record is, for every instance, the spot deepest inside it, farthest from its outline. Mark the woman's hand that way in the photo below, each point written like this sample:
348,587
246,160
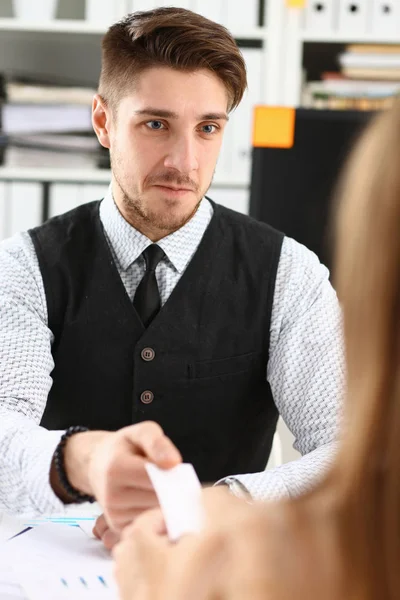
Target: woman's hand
199,567
141,556
259,551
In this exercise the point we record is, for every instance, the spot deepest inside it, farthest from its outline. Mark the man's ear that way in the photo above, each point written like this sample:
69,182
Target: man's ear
101,120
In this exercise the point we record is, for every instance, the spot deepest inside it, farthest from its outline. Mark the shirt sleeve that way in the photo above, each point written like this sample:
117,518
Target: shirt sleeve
306,371
26,449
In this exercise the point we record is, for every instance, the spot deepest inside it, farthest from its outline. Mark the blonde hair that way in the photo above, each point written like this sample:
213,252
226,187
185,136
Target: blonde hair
366,478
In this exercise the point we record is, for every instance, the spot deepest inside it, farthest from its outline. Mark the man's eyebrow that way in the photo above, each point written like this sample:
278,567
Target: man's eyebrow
156,112
214,117
169,114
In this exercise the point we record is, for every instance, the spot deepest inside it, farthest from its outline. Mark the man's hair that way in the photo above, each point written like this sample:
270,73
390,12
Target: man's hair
169,37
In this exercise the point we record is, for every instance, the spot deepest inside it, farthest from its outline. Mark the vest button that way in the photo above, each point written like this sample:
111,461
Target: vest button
147,354
147,397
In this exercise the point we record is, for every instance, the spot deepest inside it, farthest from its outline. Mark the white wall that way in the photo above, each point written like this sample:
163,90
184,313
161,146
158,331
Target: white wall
287,440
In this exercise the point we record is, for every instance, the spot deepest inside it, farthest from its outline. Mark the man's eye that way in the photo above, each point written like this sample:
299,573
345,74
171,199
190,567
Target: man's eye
209,128
155,125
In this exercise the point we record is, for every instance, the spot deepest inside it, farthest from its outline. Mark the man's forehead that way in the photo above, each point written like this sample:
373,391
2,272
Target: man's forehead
178,84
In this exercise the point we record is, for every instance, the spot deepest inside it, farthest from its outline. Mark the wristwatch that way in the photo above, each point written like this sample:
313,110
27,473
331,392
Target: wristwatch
237,488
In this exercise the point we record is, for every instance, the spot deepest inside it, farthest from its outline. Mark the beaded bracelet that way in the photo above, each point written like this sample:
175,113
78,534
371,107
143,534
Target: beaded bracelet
74,494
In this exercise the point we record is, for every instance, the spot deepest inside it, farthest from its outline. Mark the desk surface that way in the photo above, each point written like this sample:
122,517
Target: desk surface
74,514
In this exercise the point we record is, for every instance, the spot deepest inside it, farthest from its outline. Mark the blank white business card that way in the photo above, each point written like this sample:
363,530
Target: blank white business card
179,493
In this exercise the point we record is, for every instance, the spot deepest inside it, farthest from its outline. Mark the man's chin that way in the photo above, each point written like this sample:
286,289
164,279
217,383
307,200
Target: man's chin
172,216
168,222
161,213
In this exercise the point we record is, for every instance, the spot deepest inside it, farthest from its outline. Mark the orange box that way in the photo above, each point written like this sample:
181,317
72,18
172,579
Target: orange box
274,127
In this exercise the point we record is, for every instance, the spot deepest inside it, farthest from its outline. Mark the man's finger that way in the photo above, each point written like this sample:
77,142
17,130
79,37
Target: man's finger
119,519
110,538
100,526
129,472
131,497
151,521
150,441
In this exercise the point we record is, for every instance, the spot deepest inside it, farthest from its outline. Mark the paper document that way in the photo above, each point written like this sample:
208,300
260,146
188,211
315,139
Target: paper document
53,562
29,118
9,526
10,589
179,494
83,518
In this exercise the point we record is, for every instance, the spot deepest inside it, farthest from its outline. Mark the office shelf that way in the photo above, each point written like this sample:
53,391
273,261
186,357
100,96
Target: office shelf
69,175
346,37
55,26
59,175
80,26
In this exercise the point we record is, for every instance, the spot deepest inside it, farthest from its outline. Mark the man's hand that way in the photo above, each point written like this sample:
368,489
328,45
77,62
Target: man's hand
103,532
111,467
153,520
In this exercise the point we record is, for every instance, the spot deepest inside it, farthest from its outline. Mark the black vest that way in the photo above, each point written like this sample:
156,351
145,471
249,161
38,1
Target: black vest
206,377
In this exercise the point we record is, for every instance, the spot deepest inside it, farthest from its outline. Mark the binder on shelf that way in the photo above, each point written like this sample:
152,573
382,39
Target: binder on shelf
105,11
4,213
385,17
92,191
25,209
237,19
211,9
231,14
51,150
121,8
63,197
235,199
177,3
135,5
224,169
353,16
320,16
32,118
234,163
242,118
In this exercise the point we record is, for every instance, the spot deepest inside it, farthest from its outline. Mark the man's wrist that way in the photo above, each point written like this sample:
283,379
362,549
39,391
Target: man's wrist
77,452
77,455
237,488
73,494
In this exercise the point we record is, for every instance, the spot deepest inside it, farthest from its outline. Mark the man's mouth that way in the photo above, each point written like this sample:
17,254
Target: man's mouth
174,188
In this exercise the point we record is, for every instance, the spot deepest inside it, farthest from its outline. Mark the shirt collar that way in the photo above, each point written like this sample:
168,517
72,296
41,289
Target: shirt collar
128,243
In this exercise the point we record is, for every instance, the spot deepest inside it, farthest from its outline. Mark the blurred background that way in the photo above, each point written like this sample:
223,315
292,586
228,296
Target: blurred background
317,71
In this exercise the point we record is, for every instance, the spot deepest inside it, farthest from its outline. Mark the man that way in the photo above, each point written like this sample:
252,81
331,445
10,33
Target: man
158,306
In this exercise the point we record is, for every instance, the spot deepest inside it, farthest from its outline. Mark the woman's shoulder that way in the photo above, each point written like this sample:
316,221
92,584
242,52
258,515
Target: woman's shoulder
301,549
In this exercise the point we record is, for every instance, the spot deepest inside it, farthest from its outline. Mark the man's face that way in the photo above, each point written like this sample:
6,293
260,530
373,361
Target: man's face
164,142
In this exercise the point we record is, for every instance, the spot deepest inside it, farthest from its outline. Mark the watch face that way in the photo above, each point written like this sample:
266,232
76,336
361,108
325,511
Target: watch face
239,489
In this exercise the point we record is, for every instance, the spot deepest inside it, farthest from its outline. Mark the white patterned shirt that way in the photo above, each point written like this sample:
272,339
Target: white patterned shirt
305,368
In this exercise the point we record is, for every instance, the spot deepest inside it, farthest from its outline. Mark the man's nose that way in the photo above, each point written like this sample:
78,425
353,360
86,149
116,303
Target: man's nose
182,155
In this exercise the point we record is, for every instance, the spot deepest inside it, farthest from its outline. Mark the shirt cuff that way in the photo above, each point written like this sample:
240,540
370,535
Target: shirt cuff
39,456
264,486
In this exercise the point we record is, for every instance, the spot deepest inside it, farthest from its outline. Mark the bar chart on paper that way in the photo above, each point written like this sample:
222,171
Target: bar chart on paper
54,587
55,562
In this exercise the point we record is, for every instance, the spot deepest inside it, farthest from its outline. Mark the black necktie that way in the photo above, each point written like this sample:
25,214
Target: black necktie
147,297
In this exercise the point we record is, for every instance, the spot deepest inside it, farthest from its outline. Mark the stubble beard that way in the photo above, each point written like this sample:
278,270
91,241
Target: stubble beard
138,214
